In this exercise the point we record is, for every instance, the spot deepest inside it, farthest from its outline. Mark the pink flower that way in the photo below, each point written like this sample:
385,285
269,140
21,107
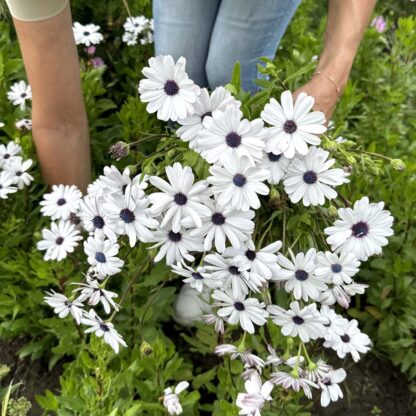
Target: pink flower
379,24
90,50
97,62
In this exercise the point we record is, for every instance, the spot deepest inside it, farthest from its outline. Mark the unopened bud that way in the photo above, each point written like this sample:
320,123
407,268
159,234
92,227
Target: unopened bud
132,169
146,349
331,145
398,164
148,169
332,211
119,150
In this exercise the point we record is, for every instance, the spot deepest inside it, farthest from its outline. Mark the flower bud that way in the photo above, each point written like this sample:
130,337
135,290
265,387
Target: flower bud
398,164
119,150
146,349
332,211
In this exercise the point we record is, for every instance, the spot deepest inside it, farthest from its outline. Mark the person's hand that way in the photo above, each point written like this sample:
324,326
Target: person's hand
324,92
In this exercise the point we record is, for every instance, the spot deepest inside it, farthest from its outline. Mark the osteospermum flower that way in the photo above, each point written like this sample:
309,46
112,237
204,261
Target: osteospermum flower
336,269
335,294
102,255
299,275
167,88
213,319
331,391
8,152
60,240
317,371
334,323
238,309
181,197
256,395
128,215
293,125
222,224
311,180
246,357
6,184
130,38
205,106
237,183
277,166
24,124
18,168
196,278
19,93
94,294
171,399
103,329
87,34
306,323
361,230
226,134
293,381
136,24
63,306
61,202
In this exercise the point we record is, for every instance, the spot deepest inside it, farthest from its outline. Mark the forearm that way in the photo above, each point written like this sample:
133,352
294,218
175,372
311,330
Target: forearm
347,21
60,127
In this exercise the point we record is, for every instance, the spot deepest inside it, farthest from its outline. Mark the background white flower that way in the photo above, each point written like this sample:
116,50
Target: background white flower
19,93
87,34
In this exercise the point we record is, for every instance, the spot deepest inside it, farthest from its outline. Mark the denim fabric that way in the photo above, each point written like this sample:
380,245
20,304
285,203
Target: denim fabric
213,34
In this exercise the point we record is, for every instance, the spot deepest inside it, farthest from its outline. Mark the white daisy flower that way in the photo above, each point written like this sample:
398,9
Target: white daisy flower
87,34
205,106
136,24
181,197
147,38
336,269
130,38
129,216
257,393
61,202
103,329
63,306
306,323
212,319
361,230
196,278
171,399
291,381
311,180
261,263
238,183
222,224
331,391
6,184
18,168
334,323
299,275
293,126
272,358
93,217
238,309
355,288
246,357
228,271
19,93
226,134
335,294
175,246
167,88
352,341
61,239
317,371
277,166
95,294
102,255
24,124
8,152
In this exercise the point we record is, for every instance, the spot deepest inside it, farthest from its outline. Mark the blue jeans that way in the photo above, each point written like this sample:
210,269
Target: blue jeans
213,34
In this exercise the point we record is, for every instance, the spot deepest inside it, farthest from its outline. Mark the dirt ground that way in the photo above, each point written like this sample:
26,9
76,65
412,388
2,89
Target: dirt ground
373,387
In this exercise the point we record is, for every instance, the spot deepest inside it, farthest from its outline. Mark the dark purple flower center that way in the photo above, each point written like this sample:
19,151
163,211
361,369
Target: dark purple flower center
100,257
290,126
251,254
239,180
61,201
180,198
6,156
301,275
98,221
234,270
218,219
207,114
197,276
171,87
360,229
127,216
273,157
23,95
86,33
310,177
239,306
298,320
175,237
336,268
233,139
104,327
59,241
345,338
19,173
